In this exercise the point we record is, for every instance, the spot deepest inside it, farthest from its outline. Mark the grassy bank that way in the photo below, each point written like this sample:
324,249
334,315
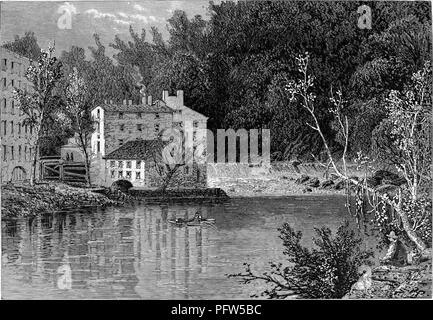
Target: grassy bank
26,201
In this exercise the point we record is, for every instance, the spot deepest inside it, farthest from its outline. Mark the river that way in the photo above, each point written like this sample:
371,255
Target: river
133,252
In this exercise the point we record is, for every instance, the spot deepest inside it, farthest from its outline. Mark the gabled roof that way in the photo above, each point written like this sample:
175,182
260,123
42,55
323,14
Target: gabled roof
145,150
157,107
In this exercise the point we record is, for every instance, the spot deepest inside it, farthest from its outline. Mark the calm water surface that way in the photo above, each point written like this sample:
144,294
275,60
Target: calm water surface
134,253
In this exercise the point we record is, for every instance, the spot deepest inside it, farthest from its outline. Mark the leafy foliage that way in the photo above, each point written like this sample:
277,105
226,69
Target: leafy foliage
326,271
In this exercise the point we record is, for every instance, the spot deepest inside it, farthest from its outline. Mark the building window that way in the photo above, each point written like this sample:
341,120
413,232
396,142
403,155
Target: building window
113,174
19,153
12,127
120,142
128,164
128,175
12,66
4,83
156,116
30,153
12,152
186,170
195,124
120,164
31,129
112,163
4,64
156,128
19,128
138,115
25,153
138,164
120,174
122,127
98,114
13,83
5,124
12,107
139,127
120,115
4,105
4,153
98,146
137,175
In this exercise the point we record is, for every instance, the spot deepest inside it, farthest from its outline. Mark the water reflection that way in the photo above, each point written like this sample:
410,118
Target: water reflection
135,253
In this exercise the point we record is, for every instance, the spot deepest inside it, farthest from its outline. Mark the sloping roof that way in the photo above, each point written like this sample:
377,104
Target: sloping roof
157,107
194,114
146,150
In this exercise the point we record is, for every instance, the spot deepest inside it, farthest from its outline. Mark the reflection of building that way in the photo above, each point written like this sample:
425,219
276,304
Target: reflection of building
114,254
16,138
122,139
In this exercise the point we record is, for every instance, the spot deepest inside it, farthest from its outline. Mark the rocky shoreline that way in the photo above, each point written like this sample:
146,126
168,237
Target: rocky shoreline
390,282
27,201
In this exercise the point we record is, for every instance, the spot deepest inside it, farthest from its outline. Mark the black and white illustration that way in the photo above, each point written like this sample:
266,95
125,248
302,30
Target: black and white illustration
216,149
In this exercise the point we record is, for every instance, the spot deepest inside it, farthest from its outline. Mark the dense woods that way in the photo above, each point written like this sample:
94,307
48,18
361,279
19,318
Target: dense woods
234,67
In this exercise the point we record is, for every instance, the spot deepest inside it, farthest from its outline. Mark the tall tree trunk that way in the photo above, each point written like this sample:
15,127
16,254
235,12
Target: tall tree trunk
168,178
34,163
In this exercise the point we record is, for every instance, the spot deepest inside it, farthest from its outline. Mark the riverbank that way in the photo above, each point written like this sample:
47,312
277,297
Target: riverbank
390,282
27,201
279,183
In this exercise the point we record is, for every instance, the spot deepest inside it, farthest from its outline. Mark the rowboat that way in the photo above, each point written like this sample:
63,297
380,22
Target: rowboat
190,223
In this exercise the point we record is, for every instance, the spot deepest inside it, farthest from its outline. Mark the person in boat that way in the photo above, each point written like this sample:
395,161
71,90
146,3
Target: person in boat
197,218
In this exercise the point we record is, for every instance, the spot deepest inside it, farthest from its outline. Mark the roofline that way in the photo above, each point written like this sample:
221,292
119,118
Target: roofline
126,111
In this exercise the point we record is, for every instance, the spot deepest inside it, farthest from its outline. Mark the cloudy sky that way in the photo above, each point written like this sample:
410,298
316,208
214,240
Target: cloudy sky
74,22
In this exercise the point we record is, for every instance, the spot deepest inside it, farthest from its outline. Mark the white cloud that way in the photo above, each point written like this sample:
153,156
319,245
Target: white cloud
122,14
69,7
99,15
124,22
140,8
139,17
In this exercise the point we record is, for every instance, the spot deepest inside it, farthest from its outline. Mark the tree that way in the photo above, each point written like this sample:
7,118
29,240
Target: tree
301,88
78,107
171,151
26,46
325,272
39,104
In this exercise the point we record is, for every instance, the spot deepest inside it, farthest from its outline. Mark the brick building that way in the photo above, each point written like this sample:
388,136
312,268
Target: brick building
123,136
16,139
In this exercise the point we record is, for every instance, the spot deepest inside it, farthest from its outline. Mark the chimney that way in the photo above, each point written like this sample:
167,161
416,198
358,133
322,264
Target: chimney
149,100
124,102
130,102
164,95
180,97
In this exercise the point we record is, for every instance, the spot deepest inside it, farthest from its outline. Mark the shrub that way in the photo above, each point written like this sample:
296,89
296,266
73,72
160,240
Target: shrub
327,271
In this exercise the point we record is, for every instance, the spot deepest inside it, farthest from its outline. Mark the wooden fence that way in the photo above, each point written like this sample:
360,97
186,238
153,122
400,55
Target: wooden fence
54,168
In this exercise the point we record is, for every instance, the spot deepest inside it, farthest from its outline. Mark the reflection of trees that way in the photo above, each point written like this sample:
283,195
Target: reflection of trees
113,254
